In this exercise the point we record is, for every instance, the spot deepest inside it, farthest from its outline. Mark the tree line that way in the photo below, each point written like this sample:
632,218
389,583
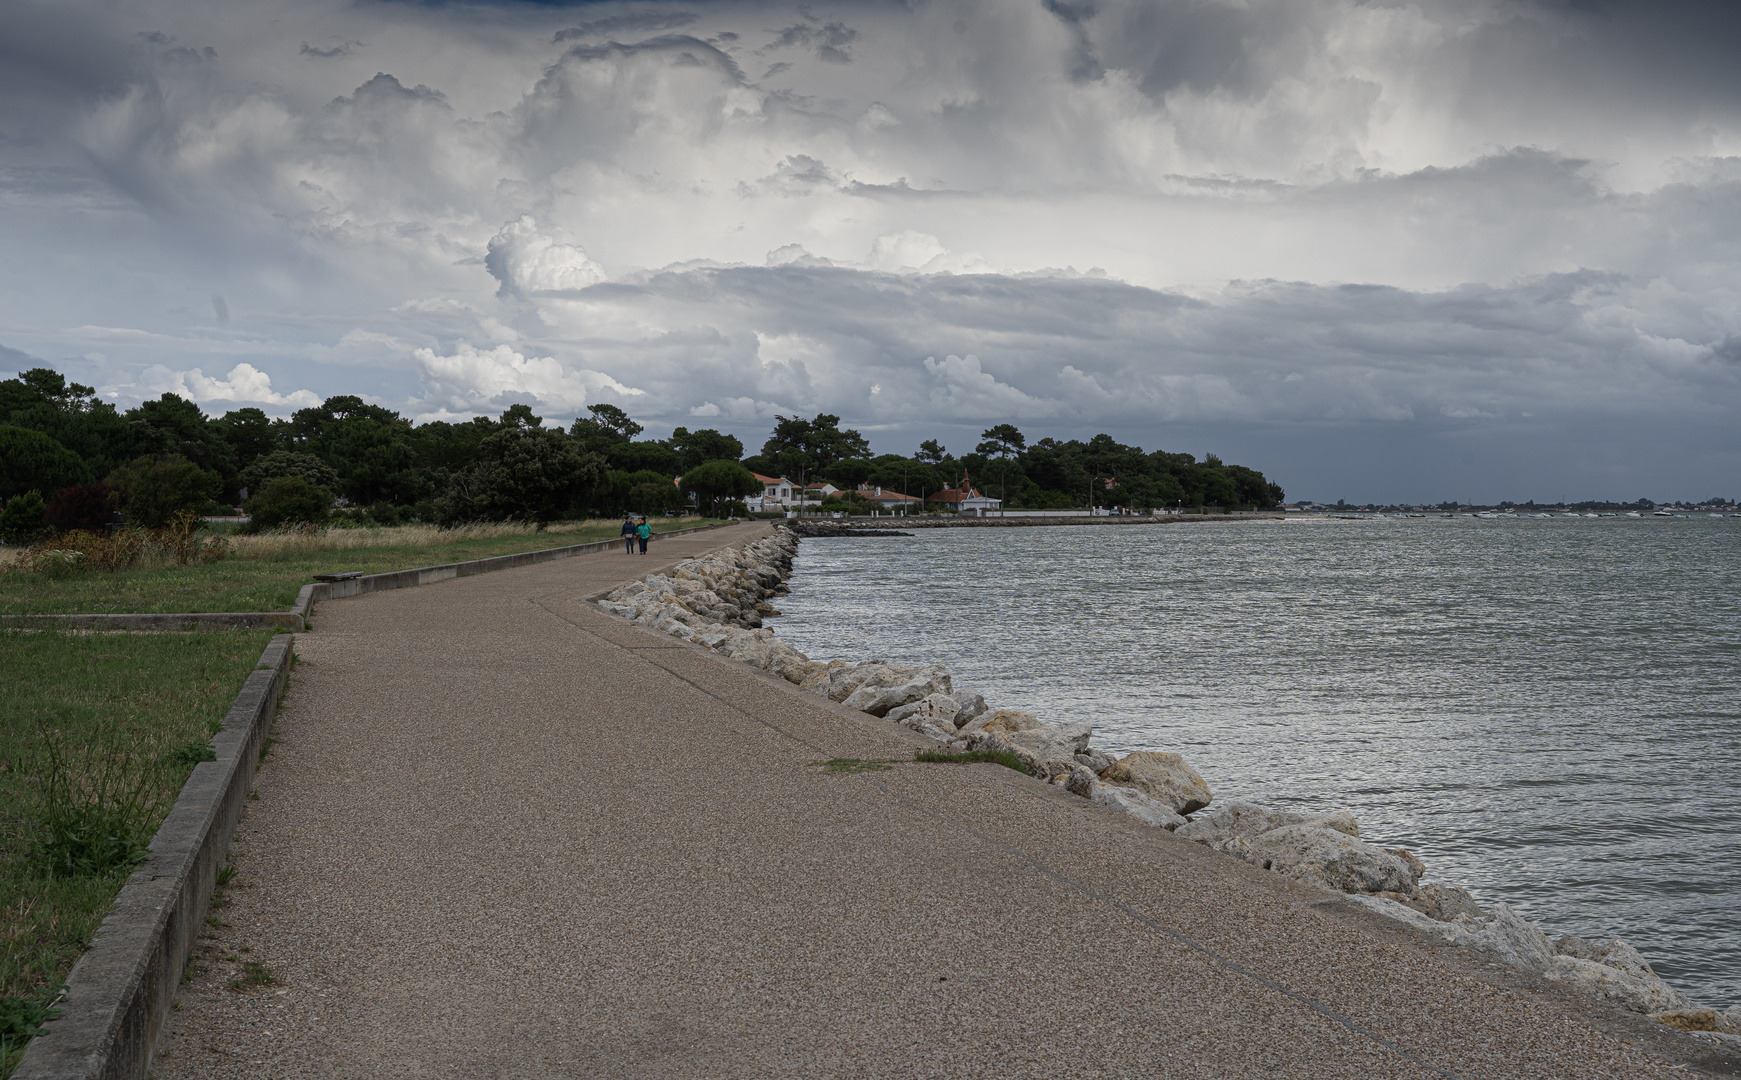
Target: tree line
82,459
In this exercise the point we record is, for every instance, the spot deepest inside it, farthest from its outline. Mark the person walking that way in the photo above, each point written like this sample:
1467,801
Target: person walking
628,534
643,533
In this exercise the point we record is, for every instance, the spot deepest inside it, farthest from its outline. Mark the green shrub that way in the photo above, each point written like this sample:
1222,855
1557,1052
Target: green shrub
289,500
159,488
24,520
35,462
387,514
269,467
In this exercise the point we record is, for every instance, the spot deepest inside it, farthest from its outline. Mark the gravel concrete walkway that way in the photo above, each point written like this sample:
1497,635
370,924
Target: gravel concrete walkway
501,834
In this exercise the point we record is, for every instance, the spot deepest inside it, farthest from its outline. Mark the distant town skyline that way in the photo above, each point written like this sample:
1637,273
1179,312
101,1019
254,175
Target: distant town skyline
1386,253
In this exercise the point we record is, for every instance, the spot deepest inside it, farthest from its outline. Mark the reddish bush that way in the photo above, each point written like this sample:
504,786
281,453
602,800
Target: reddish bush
86,507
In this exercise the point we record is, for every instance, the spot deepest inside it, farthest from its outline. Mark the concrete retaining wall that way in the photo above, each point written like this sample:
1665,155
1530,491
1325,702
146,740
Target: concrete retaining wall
120,991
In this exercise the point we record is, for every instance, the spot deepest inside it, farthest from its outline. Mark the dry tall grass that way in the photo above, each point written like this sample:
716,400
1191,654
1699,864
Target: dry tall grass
297,541
80,551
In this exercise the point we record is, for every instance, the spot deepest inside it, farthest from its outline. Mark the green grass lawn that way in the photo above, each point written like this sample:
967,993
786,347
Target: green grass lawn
97,734
265,572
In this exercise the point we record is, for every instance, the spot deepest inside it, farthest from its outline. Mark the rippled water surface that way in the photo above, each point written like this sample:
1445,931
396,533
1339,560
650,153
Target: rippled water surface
1547,712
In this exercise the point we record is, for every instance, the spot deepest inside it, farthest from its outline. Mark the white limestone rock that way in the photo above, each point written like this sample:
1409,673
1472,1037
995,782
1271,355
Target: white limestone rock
1646,994
1250,820
990,741
847,679
817,681
877,696
1446,902
1002,722
972,704
1094,760
1505,935
1161,776
1055,746
1130,801
1080,781
1613,952
939,709
1331,859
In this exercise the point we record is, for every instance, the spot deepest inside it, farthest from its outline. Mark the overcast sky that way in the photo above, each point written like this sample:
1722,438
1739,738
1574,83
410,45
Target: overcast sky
1420,250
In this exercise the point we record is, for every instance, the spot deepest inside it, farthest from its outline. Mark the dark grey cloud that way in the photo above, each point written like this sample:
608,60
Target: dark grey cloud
672,46
343,48
830,40
184,55
1075,14
617,24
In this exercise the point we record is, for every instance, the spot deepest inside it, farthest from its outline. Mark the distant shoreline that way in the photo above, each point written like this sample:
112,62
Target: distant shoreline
824,526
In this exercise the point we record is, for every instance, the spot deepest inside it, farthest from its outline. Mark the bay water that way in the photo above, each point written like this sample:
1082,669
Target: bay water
1546,712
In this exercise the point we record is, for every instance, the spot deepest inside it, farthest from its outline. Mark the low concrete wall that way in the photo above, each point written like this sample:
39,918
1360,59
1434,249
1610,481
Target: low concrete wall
120,991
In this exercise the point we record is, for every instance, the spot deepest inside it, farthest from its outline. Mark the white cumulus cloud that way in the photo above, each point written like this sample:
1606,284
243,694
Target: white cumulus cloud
474,381
526,260
245,385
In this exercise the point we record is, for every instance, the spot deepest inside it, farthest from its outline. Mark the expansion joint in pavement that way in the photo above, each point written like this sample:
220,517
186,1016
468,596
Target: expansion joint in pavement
1065,879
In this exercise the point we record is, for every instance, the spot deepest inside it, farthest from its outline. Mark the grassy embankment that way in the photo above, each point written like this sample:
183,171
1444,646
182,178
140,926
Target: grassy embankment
264,572
98,732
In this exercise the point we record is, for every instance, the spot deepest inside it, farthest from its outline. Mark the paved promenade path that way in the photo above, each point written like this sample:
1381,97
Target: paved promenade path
504,835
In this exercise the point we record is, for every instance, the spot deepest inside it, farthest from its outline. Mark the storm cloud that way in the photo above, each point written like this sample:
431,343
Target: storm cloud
1344,242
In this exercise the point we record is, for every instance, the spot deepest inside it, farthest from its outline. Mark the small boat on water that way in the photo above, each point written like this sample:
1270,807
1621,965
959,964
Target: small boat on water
1632,513
1486,514
1662,513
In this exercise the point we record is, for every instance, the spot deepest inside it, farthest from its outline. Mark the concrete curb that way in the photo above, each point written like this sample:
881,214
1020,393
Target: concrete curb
120,991
296,619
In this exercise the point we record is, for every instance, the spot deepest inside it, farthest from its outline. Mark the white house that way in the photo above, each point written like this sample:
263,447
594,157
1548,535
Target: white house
775,489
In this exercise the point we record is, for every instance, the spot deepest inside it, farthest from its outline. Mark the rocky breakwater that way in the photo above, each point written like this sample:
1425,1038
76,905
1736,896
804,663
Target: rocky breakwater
1327,850
719,600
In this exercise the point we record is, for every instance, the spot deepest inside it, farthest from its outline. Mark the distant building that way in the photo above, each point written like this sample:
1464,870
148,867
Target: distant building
965,498
887,499
776,490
